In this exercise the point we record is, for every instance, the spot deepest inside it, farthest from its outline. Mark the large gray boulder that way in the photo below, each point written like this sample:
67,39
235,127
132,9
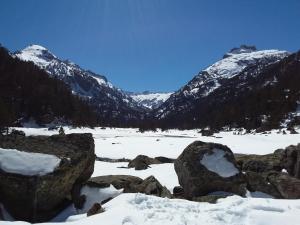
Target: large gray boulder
203,168
291,160
37,197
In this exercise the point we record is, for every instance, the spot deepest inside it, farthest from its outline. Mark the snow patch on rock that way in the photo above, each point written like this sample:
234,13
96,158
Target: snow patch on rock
26,163
218,163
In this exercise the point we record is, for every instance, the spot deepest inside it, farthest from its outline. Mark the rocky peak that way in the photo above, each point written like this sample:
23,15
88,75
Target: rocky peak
241,49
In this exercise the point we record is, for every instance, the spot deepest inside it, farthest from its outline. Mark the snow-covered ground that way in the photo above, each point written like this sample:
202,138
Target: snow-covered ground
128,143
139,209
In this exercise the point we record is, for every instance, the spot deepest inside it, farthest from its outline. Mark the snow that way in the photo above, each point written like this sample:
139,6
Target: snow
28,164
233,65
140,209
151,100
218,163
128,143
35,53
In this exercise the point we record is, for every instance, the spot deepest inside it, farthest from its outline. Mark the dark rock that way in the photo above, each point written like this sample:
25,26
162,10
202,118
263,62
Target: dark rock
162,159
293,131
207,132
118,181
291,160
178,192
197,180
96,209
149,186
131,184
260,163
39,198
259,182
142,162
17,132
287,186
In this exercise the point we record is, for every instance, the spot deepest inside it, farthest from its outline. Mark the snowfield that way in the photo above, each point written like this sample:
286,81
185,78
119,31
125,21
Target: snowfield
140,209
128,143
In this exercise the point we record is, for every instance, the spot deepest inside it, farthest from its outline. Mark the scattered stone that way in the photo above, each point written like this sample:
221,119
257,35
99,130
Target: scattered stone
17,132
162,159
40,198
96,209
118,181
149,186
142,162
178,192
203,168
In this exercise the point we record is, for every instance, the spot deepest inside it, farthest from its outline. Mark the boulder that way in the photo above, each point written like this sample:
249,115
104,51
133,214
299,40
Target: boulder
149,186
260,163
118,181
178,192
291,160
96,209
142,162
39,197
131,184
203,168
259,182
287,186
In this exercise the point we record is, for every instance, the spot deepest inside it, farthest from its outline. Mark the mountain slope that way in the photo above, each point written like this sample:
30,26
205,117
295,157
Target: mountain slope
150,100
234,91
113,106
27,92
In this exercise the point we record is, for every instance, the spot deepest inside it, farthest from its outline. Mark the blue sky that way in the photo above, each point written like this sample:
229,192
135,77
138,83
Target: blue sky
156,45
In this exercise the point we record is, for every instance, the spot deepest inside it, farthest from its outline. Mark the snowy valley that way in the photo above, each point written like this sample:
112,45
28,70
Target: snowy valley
137,208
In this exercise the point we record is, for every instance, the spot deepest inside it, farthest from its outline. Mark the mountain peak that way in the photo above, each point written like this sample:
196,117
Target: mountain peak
241,49
37,54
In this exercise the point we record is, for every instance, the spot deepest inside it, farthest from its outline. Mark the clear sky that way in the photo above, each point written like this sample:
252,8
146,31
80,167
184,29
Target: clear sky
155,45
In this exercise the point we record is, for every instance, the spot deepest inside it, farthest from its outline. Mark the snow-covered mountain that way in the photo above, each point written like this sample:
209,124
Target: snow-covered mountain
110,102
247,88
150,100
234,63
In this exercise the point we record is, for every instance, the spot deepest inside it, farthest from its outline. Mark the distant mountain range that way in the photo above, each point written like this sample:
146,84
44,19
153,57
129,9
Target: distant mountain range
247,88
150,100
114,106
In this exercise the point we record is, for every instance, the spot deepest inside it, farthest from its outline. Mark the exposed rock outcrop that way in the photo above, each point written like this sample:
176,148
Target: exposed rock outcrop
131,184
203,168
37,198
